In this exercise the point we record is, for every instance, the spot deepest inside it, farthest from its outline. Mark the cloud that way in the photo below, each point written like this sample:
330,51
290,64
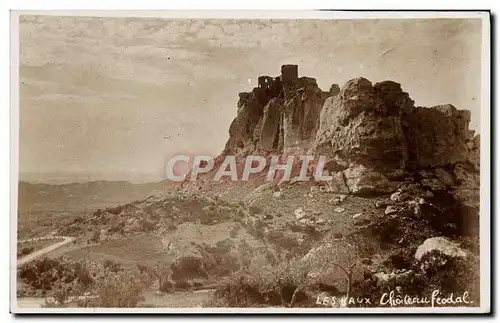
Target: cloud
127,81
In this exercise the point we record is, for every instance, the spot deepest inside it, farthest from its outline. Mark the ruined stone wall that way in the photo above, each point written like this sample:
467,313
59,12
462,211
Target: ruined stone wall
280,115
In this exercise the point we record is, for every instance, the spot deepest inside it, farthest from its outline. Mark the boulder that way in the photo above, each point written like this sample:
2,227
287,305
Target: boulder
390,210
320,222
299,213
305,221
441,244
334,201
365,182
394,278
359,126
357,216
314,252
399,196
361,219
338,184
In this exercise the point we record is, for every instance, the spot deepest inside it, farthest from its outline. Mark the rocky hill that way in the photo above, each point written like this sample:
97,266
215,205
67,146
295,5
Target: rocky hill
373,136
414,169
402,210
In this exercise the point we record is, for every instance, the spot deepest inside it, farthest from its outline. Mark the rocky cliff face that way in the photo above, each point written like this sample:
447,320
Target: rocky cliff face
280,115
373,136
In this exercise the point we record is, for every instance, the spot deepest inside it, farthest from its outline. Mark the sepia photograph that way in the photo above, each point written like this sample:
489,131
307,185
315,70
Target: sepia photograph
250,162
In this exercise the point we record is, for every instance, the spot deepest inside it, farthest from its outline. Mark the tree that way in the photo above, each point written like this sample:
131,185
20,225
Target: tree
342,254
123,289
295,273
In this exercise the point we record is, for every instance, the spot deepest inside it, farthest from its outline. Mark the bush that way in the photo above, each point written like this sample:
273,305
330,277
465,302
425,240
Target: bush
283,241
166,286
218,261
96,236
115,210
43,274
450,275
255,209
27,250
121,290
188,267
283,285
182,284
234,232
435,271
112,266
224,246
256,229
147,225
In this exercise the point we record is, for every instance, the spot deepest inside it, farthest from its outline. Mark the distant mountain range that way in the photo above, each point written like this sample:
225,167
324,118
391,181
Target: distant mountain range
62,177
37,197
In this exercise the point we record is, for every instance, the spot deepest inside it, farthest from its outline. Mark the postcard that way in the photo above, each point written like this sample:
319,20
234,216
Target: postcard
250,162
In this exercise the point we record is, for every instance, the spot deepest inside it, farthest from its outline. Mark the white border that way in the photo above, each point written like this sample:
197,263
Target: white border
485,170
259,14
14,155
254,14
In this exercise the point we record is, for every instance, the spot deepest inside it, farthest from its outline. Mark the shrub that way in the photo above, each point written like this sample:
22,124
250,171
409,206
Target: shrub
96,237
27,250
188,267
272,286
435,271
115,210
143,268
234,232
182,284
450,274
121,290
43,274
166,286
147,225
224,246
112,266
256,229
255,209
283,241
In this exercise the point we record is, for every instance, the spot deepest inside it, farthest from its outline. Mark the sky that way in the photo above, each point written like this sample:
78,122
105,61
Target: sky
121,95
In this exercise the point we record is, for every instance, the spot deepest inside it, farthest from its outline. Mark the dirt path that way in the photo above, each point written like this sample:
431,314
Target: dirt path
36,254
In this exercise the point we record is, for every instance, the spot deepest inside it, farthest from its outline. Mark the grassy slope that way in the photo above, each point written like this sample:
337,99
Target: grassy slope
244,204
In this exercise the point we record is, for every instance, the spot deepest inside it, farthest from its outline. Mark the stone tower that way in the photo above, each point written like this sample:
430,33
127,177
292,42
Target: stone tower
289,74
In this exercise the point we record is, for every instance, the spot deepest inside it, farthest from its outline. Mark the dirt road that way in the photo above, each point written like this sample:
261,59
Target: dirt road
36,254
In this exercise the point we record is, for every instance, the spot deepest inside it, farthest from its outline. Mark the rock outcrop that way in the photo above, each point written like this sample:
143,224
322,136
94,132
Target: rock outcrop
441,244
372,134
379,127
280,115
